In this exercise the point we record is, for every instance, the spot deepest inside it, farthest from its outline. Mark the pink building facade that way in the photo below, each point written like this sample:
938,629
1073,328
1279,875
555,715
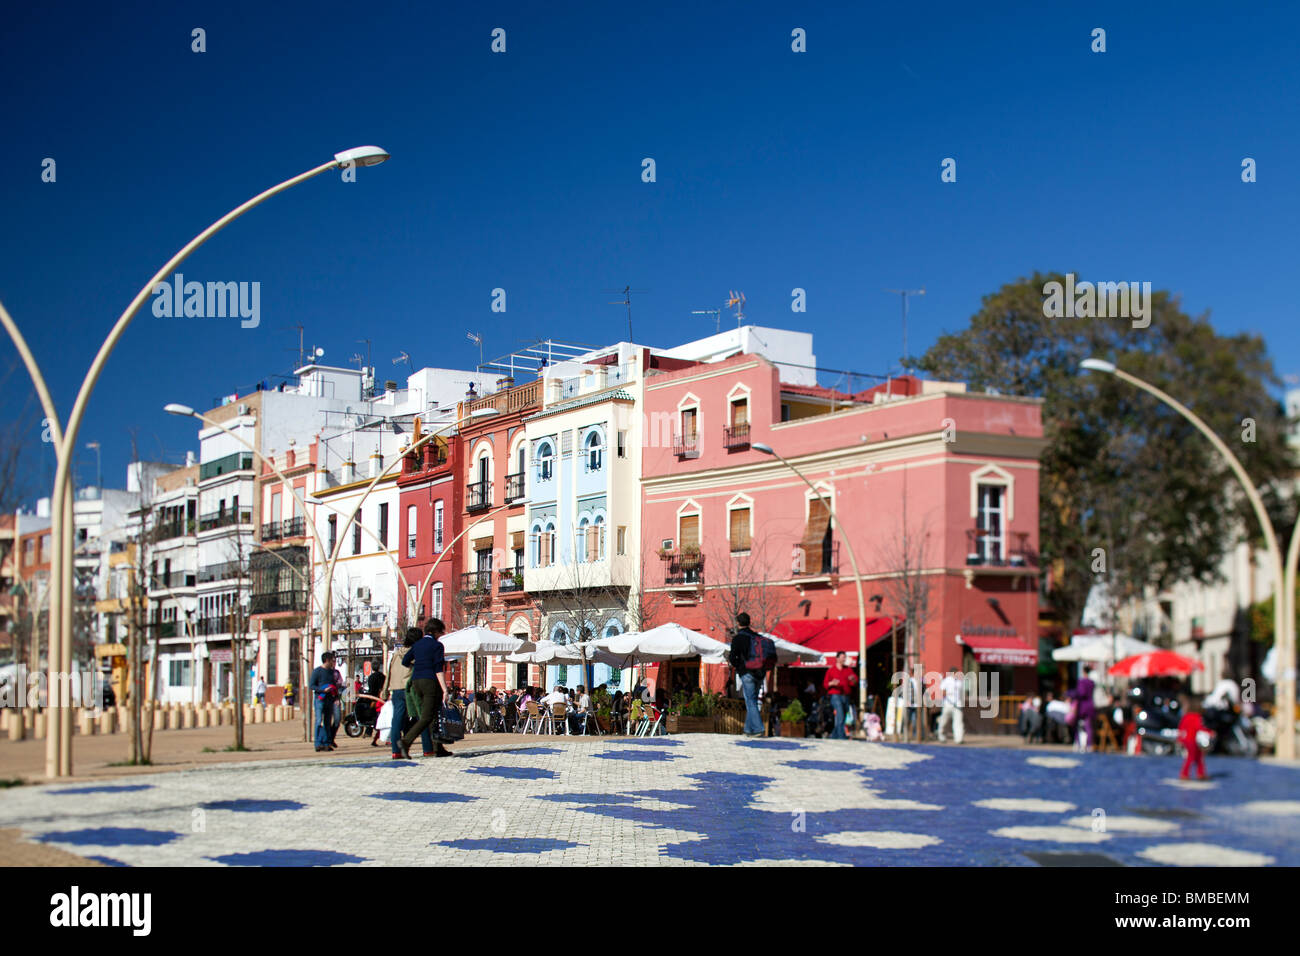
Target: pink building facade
935,489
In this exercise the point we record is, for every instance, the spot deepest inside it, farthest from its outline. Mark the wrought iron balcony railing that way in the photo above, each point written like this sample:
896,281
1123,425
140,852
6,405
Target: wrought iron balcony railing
478,495
736,436
683,567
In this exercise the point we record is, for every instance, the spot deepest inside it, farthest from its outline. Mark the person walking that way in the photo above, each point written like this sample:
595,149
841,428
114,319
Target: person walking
395,693
1189,730
336,714
837,684
752,655
427,663
950,688
1084,711
288,692
260,691
325,690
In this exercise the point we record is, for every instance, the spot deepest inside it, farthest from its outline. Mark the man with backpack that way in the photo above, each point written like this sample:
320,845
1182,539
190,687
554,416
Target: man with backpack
752,656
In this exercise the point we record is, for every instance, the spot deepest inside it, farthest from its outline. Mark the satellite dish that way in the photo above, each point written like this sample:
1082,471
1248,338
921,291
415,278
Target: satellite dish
319,352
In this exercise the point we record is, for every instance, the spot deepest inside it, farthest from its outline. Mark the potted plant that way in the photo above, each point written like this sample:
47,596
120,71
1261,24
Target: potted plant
793,720
602,705
518,580
692,713
665,554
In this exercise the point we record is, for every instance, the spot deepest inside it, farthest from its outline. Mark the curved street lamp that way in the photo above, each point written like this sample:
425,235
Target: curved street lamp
1284,576
58,754
857,583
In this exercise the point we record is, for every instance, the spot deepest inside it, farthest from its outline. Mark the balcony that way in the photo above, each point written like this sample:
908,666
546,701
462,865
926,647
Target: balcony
510,582
476,584
816,560
683,568
509,400
514,487
279,602
223,519
735,437
175,529
177,579
989,550
686,446
478,496
239,461
225,571
428,458
287,528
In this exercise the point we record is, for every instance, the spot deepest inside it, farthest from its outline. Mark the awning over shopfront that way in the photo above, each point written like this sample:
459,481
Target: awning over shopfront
829,636
1014,651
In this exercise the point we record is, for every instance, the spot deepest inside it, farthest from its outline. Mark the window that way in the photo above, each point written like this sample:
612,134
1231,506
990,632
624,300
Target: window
334,534
622,444
548,544
594,452
356,533
598,534
383,526
410,532
622,539
688,532
178,673
690,419
991,525
272,660
275,508
814,552
437,526
739,530
435,600
545,461
785,412
740,412
584,549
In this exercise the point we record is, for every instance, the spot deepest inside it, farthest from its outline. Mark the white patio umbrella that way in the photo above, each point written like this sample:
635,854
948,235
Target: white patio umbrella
663,643
788,652
1101,648
482,642
548,652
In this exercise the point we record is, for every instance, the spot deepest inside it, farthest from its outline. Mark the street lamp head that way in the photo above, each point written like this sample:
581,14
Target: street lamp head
483,413
361,156
1097,365
175,408
765,449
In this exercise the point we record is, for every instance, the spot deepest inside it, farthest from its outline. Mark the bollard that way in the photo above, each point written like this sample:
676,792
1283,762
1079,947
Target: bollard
38,726
187,718
29,722
86,723
4,720
202,717
17,728
106,722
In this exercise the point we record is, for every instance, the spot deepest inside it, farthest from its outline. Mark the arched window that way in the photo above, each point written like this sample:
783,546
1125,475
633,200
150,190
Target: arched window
598,535
594,451
548,544
545,461
584,540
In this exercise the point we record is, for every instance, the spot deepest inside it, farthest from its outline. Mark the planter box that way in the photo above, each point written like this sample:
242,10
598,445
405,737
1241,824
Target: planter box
678,724
793,728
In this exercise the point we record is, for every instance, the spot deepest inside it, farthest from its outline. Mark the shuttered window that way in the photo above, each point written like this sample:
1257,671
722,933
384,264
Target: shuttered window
815,544
740,412
739,533
688,425
689,532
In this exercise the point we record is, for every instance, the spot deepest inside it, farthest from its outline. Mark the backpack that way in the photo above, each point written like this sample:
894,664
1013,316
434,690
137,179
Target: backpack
761,651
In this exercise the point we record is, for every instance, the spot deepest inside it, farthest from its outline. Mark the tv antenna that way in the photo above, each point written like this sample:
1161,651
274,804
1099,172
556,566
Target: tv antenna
736,301
403,357
716,313
627,293
905,293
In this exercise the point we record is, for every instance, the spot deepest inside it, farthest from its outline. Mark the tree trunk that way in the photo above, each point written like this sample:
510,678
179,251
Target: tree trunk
153,696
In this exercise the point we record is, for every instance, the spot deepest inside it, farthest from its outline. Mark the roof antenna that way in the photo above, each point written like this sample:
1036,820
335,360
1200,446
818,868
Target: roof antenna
737,301
717,316
627,301
905,293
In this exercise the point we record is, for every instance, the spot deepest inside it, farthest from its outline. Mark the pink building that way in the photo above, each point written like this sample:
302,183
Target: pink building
935,488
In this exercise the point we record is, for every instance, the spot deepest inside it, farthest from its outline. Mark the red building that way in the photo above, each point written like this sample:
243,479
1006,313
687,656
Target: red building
935,488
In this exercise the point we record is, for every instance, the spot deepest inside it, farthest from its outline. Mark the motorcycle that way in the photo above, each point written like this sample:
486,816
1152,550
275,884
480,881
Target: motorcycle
1233,733
1155,726
363,716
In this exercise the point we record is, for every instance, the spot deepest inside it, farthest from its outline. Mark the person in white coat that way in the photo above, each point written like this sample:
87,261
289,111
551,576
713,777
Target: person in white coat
950,690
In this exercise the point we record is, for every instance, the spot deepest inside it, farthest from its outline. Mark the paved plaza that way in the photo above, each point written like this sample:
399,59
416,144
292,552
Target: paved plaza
685,800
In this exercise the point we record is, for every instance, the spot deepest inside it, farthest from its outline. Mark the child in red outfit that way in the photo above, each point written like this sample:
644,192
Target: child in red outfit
1188,728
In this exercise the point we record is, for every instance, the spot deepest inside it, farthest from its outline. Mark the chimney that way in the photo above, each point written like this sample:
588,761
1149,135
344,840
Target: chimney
376,464
390,386
349,472
189,458
504,382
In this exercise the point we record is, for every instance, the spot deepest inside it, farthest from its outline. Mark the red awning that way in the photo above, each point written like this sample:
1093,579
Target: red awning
831,636
1000,650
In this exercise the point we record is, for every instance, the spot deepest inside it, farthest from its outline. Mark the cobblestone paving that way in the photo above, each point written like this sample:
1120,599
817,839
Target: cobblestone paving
681,801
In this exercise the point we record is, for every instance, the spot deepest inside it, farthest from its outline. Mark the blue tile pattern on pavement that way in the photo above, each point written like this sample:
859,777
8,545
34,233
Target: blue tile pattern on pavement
288,858
110,836
371,766
107,788
417,796
691,799
107,860
254,806
509,845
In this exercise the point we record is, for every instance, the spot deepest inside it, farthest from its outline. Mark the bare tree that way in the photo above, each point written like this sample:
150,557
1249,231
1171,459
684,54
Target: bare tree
744,581
909,593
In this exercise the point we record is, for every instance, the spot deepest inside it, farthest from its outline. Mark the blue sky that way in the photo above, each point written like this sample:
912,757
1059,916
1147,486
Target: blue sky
522,170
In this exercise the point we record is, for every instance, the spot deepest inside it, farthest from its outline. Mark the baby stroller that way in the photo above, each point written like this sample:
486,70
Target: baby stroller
363,716
822,720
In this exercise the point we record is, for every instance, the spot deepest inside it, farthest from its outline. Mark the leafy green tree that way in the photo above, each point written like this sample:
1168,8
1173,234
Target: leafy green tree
1123,472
